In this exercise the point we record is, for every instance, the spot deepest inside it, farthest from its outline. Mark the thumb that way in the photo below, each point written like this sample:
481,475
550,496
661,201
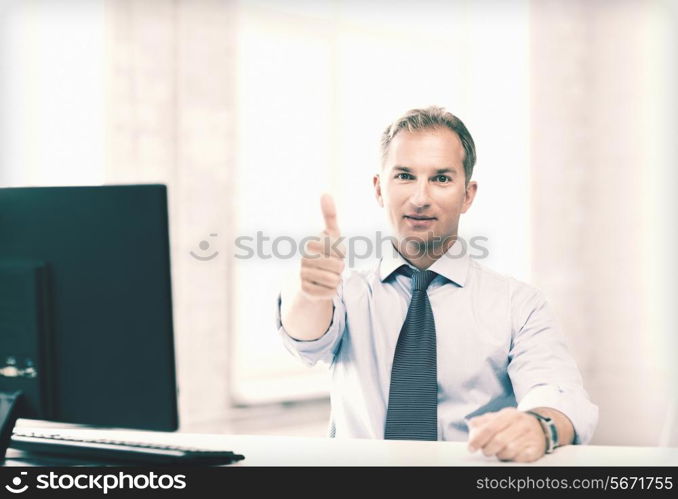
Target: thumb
330,215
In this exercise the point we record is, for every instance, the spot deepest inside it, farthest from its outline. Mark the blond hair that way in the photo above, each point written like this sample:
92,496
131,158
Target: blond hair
430,118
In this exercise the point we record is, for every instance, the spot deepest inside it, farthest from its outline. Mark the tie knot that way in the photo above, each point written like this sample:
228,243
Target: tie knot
420,279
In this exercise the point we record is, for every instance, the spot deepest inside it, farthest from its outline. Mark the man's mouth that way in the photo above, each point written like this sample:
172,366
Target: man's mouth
419,217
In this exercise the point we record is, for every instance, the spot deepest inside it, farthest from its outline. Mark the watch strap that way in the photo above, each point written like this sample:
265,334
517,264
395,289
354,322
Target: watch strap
550,430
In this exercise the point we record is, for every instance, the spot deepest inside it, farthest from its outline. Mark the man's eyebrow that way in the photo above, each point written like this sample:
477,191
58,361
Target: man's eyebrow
438,171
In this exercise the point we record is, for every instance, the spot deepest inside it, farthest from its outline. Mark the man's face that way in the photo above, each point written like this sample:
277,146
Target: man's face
422,186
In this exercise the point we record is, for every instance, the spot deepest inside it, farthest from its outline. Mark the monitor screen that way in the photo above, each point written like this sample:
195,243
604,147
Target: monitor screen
85,304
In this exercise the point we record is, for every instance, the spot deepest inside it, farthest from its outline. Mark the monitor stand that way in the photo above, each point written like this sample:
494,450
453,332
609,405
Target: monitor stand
11,404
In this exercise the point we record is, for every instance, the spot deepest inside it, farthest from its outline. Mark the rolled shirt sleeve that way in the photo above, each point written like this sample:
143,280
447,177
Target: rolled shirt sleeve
322,349
541,368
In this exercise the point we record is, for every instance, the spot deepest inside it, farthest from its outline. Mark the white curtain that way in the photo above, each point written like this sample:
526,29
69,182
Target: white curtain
602,155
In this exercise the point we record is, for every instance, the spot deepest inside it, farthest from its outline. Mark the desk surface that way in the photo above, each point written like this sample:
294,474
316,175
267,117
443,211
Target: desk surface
297,451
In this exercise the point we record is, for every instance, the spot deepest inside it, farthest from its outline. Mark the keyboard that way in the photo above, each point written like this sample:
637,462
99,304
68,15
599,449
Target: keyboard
52,443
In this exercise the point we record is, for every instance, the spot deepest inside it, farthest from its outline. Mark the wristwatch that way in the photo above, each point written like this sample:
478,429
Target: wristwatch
550,430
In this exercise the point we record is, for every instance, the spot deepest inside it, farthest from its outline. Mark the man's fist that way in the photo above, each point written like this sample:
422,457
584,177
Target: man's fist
323,257
509,434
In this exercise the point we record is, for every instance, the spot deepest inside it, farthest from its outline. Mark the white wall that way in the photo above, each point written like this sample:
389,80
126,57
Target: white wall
603,156
51,92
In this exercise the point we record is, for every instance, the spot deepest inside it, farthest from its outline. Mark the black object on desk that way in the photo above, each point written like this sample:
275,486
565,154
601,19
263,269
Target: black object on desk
51,443
85,286
10,408
25,346
86,330
86,320
25,339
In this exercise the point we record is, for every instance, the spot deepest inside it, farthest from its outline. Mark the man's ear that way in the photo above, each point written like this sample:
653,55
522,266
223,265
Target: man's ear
376,181
470,195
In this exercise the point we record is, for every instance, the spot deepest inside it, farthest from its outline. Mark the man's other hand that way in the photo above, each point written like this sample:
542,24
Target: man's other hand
510,435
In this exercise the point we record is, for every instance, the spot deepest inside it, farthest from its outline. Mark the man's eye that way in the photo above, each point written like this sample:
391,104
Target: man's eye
403,176
443,179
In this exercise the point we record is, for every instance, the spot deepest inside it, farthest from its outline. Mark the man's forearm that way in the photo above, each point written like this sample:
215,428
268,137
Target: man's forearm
562,422
306,303
305,319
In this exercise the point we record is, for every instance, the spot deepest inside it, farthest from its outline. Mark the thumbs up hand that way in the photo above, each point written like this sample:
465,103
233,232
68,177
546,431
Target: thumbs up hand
330,215
323,257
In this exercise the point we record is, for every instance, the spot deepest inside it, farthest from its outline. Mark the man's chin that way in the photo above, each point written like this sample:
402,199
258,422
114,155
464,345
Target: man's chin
424,239
419,236
415,240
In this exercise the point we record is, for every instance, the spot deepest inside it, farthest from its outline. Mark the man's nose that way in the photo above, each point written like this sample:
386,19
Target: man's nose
420,197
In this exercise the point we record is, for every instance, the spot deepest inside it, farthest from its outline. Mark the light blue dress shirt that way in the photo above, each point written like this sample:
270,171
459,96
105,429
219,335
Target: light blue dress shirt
498,345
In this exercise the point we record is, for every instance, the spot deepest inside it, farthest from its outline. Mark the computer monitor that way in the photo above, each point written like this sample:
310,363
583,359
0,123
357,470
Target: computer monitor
85,305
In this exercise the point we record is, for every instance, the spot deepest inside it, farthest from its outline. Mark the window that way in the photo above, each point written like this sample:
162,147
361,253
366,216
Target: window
316,86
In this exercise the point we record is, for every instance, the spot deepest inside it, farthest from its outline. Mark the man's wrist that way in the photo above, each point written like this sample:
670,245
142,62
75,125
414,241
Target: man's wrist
550,430
562,422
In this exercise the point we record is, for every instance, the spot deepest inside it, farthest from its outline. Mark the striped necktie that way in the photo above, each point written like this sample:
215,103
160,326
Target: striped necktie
413,398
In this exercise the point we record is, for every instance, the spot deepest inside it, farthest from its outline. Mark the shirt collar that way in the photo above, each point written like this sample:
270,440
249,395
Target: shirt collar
453,265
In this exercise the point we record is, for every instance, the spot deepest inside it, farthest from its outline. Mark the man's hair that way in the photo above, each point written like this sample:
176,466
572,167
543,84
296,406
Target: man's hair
432,117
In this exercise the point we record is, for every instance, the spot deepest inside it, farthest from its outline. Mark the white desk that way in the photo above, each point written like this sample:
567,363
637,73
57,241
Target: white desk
295,451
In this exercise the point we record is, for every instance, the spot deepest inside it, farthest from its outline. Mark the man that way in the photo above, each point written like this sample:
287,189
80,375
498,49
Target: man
429,344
